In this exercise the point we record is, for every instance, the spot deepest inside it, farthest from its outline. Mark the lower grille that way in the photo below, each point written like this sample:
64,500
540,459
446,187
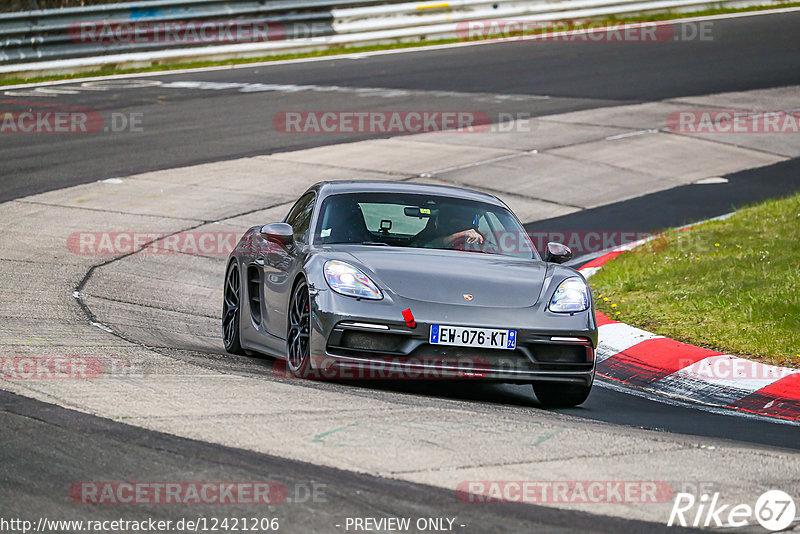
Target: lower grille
559,353
384,342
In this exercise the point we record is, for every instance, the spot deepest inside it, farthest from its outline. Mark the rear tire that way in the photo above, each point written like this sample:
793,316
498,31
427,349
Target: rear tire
231,310
557,395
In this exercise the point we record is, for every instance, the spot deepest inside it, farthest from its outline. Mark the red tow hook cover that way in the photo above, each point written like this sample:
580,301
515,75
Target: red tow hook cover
409,317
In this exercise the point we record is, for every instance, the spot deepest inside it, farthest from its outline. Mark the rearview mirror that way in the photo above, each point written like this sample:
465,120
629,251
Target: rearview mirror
417,212
557,253
279,232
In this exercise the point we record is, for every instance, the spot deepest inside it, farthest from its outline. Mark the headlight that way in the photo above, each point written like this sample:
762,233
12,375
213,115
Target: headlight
349,280
571,296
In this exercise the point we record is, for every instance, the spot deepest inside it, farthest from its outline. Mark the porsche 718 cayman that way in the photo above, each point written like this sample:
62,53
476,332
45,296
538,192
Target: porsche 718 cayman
402,280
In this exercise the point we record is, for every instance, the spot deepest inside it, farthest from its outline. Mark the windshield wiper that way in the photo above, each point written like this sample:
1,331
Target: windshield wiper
375,243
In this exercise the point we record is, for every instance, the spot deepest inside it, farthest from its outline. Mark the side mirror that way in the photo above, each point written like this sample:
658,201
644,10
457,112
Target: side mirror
557,253
281,233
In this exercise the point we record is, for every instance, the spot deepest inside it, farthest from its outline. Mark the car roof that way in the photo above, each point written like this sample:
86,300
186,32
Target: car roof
384,186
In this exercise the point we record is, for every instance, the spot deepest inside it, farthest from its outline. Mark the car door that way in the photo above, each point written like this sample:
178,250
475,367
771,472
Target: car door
281,263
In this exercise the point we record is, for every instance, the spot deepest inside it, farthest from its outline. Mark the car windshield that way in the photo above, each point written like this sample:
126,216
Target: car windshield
421,221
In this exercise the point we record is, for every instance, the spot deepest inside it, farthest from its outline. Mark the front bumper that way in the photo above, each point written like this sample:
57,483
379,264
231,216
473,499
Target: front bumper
355,339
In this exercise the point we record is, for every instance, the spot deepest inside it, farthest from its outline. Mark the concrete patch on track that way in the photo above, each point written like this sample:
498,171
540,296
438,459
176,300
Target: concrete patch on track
772,98
562,180
655,116
775,100
669,157
534,134
633,117
163,308
402,156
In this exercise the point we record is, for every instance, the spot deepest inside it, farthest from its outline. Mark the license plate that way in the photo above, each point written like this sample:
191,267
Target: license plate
460,336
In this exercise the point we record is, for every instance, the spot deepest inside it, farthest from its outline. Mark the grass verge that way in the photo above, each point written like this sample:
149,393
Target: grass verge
107,71
731,285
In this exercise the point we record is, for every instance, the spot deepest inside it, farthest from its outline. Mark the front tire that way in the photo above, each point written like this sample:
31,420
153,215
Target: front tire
298,348
557,395
231,310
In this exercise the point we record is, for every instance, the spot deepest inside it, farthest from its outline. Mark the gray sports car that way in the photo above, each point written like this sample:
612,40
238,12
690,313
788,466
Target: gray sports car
368,279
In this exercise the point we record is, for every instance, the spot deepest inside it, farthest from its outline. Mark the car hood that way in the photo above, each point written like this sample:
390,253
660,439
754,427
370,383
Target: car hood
451,277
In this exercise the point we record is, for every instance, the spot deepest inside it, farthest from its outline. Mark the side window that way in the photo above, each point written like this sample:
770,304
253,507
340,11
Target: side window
300,216
483,224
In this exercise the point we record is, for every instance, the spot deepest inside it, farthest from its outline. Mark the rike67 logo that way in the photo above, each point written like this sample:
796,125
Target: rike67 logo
774,510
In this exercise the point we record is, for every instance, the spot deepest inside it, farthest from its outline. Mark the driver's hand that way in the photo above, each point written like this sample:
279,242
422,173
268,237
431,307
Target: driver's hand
474,236
470,236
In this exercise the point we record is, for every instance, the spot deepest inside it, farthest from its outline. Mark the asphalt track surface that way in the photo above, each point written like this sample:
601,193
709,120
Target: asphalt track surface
188,126
51,447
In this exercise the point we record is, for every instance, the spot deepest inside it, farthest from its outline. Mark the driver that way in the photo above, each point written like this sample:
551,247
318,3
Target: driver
455,229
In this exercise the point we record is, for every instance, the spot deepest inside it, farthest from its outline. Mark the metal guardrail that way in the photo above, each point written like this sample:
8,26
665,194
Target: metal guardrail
50,41
56,33
415,14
